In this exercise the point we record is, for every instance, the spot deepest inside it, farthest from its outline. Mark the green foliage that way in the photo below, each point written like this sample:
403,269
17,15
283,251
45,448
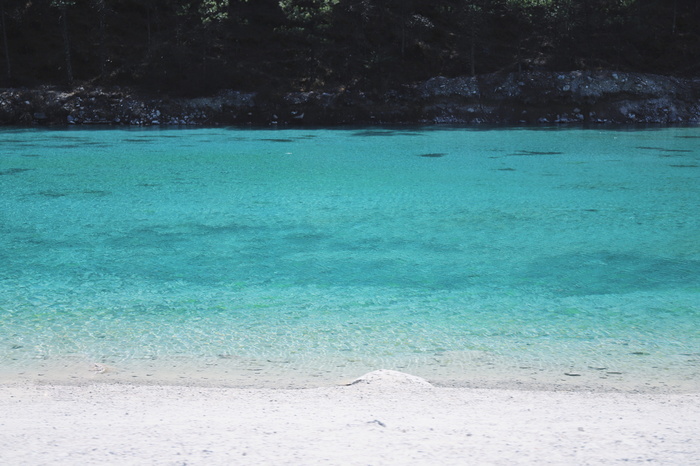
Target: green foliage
307,10
62,3
213,10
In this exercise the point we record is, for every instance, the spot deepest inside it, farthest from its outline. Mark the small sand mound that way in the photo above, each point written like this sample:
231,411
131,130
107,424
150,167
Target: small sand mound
101,368
388,378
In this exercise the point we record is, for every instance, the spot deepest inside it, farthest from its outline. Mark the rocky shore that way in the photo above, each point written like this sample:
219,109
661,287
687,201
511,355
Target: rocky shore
591,97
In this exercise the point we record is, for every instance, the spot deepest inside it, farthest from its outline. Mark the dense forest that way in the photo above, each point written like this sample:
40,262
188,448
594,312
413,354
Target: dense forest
190,47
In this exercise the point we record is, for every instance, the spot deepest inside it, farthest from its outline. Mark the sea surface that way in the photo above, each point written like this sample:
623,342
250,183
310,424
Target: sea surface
533,258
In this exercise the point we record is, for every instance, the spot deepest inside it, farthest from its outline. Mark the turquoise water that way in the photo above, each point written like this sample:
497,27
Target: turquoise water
305,257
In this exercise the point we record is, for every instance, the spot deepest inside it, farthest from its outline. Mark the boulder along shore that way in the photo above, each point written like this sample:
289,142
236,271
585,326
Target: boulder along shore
525,98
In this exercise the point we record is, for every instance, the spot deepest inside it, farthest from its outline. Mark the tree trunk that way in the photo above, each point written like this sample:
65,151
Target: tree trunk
403,20
675,17
66,44
148,28
472,44
6,46
103,40
589,33
472,56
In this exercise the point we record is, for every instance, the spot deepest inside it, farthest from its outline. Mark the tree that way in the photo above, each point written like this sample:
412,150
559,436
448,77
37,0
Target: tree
62,6
199,46
6,47
473,13
102,9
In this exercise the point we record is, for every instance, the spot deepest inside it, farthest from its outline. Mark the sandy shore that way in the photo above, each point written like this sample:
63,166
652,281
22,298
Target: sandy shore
385,418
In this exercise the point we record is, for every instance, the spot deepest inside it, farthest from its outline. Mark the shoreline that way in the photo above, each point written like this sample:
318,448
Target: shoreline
385,417
537,98
280,375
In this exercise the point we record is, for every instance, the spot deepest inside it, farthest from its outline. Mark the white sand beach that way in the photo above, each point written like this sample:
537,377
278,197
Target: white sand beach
385,418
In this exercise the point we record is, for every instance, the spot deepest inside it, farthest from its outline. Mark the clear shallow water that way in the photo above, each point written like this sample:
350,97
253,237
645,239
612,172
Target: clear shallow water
302,257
